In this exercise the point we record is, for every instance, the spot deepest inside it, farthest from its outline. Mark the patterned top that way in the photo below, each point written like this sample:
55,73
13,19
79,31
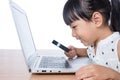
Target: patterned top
106,52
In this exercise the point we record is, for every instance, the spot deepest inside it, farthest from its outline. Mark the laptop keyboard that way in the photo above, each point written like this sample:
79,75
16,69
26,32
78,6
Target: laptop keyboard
54,62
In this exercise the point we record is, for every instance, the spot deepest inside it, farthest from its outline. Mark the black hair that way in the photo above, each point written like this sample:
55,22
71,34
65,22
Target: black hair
76,9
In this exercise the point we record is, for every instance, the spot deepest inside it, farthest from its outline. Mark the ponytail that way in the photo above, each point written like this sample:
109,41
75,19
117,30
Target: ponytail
115,15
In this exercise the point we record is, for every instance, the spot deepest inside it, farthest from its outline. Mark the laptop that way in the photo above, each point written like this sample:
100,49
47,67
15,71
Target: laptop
44,61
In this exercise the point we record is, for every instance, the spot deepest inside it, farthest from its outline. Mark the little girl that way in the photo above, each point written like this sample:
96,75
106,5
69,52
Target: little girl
96,23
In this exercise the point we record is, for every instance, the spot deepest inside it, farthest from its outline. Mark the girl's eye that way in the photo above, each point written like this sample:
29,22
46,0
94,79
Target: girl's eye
74,27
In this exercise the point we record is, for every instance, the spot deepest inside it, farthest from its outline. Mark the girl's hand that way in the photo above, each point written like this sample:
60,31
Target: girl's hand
97,72
72,53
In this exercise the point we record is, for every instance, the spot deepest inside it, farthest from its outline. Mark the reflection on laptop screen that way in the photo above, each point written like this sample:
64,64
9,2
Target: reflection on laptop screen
23,30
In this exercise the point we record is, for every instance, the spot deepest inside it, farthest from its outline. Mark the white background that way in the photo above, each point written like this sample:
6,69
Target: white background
46,22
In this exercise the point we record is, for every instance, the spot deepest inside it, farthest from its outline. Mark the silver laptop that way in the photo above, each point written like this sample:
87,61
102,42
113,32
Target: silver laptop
46,61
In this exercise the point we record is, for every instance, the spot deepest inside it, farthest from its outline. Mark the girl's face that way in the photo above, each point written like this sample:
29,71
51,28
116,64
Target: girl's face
85,31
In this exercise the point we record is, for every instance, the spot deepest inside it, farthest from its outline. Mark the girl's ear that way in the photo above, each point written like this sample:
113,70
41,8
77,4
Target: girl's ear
97,19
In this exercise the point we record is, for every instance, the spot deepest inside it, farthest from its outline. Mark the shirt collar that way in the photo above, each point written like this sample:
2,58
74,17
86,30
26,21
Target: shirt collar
110,38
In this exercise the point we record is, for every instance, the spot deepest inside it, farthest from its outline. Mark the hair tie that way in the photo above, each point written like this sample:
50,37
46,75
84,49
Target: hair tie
110,2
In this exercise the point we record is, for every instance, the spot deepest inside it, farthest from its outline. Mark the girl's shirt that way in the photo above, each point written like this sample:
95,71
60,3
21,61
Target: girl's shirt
107,52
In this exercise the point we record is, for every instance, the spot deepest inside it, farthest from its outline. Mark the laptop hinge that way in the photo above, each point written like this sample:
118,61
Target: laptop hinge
31,60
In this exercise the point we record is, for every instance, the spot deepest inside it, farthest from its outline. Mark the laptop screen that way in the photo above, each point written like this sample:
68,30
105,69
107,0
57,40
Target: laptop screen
23,30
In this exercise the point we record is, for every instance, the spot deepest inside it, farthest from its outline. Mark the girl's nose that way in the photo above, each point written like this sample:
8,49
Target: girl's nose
74,34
